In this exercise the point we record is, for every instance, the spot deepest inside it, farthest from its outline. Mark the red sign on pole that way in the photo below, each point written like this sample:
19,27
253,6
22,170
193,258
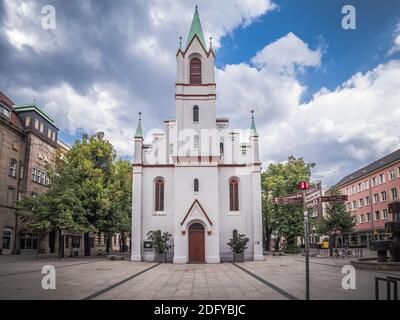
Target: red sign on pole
304,185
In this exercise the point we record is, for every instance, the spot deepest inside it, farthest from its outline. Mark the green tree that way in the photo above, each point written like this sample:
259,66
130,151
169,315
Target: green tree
89,191
115,215
337,220
278,180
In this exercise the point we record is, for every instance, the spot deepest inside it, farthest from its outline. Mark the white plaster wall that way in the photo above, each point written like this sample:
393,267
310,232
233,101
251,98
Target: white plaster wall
208,198
151,220
241,221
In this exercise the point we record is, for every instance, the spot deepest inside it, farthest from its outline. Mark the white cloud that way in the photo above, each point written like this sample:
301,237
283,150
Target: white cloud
288,54
338,129
98,109
24,29
396,39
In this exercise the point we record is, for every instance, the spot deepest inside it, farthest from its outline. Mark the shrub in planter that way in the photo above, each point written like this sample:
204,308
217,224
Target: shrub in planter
160,241
238,245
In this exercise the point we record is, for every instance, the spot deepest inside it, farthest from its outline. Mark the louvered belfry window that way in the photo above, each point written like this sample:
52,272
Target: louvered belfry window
159,195
233,195
195,71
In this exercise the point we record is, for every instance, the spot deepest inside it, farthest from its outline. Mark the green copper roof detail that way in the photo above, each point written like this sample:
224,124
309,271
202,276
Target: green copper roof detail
254,132
34,107
139,132
196,29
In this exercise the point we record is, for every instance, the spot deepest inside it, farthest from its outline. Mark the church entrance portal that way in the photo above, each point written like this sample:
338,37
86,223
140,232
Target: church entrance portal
196,243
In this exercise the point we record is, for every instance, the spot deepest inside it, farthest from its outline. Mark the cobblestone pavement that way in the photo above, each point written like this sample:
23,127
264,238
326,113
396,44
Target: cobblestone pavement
99,278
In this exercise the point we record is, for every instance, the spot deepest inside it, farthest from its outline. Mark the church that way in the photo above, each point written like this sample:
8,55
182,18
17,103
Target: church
198,179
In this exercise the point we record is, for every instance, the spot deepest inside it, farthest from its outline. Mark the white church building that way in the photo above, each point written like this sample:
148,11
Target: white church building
198,180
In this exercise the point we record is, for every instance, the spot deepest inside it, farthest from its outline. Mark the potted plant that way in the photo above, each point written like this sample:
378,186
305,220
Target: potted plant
160,242
238,245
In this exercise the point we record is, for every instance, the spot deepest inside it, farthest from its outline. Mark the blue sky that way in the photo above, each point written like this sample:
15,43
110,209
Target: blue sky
319,24
326,94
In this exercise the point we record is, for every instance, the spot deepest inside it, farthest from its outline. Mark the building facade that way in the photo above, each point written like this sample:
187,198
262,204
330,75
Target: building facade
370,190
197,180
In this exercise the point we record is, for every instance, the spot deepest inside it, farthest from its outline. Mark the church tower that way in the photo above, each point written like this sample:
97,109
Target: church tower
198,180
195,91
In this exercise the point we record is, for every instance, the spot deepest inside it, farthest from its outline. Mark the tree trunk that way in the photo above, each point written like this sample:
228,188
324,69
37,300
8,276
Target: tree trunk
108,243
331,244
87,244
123,242
267,243
60,244
277,241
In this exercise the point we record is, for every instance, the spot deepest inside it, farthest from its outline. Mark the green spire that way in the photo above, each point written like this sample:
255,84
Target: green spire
196,29
139,132
253,125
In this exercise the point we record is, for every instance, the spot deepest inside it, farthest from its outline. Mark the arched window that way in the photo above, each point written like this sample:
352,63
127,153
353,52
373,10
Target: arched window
233,195
196,114
195,71
196,185
221,148
159,205
196,142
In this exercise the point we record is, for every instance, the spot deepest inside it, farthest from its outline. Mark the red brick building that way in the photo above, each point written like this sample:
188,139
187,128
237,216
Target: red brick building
370,190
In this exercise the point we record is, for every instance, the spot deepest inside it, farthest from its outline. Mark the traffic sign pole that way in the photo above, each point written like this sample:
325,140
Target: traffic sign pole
307,254
306,247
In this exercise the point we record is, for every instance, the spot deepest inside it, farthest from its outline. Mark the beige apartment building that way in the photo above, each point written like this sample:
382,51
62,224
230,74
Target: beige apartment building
28,143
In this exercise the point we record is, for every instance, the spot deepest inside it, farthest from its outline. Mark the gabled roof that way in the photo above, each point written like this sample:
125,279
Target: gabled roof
372,167
196,29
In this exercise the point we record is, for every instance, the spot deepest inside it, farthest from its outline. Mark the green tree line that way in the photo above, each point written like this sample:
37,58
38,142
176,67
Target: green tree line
287,221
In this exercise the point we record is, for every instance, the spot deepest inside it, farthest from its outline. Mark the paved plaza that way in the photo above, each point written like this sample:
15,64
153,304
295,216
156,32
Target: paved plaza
278,278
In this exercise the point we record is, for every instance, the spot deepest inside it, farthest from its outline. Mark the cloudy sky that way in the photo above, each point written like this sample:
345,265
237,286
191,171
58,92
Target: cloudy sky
319,91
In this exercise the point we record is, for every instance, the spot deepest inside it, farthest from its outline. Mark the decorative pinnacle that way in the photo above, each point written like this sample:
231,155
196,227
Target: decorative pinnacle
254,132
210,42
180,42
139,132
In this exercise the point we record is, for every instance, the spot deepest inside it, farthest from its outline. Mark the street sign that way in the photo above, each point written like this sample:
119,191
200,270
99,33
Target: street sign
304,185
283,200
313,193
295,198
313,204
334,198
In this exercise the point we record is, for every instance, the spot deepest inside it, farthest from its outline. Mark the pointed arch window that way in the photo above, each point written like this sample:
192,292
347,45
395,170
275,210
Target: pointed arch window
196,114
159,195
233,195
196,185
195,71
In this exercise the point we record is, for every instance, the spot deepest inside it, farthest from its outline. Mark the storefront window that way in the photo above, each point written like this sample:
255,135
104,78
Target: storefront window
76,242
28,242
